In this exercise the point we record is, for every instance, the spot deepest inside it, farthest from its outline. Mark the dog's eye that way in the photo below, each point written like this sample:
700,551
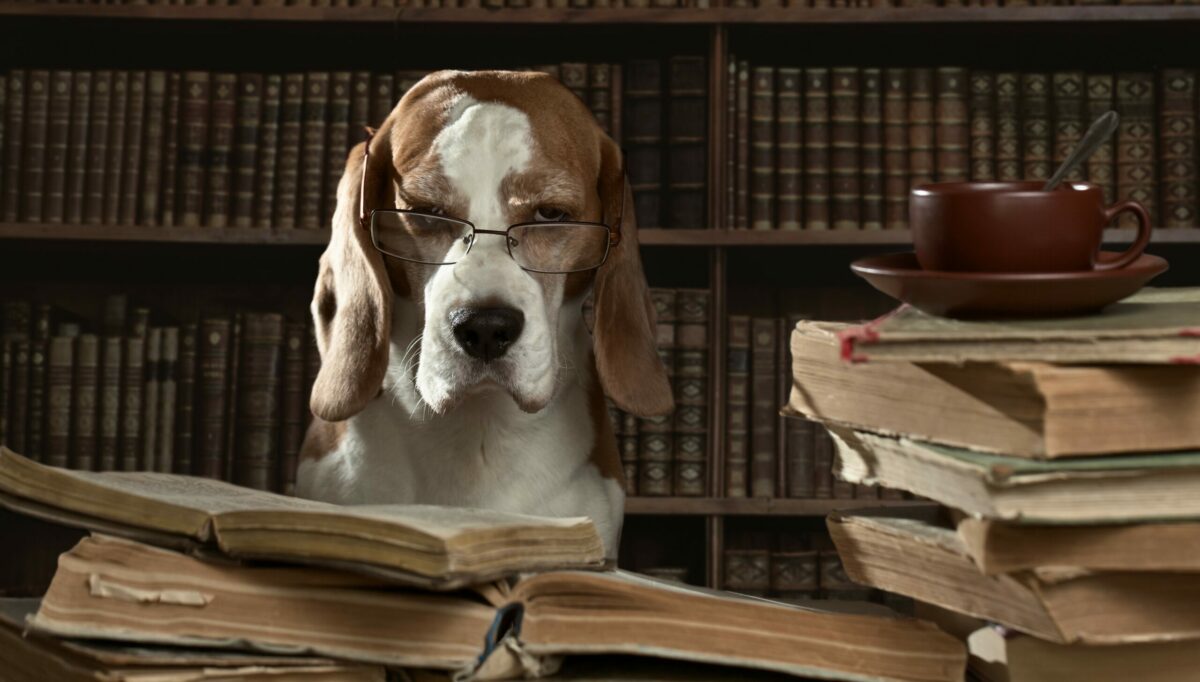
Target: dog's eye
549,214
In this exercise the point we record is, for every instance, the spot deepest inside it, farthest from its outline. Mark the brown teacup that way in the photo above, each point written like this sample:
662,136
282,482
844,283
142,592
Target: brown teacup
1016,227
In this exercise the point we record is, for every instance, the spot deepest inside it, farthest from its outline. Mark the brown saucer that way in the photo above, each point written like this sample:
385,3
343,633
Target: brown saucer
1027,294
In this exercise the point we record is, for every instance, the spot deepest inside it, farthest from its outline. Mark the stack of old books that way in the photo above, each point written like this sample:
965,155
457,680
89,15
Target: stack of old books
1067,455
186,578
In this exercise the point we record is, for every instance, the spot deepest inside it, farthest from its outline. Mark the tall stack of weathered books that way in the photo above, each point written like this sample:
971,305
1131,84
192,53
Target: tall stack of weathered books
1066,454
186,579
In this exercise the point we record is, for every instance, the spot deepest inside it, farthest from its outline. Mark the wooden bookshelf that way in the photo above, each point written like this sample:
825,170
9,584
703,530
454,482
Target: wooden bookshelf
59,35
648,237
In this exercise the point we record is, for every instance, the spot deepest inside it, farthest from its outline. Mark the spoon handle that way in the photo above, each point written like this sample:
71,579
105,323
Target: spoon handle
1099,132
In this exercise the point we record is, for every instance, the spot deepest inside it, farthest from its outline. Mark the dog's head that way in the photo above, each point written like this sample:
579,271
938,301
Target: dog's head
495,149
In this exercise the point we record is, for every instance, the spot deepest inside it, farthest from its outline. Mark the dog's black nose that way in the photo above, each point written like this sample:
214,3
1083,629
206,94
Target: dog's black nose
486,333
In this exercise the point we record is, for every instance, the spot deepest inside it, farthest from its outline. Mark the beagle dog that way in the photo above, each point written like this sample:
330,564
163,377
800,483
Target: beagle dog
475,382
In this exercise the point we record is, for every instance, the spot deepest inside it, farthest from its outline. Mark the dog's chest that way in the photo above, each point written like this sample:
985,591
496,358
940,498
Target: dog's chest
488,454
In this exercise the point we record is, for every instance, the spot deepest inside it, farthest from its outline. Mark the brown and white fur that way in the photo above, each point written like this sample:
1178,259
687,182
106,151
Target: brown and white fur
404,415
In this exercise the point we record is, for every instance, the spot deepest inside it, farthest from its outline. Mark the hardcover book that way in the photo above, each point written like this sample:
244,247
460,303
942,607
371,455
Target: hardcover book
737,406
1177,147
1067,107
922,165
1008,128
764,412
1035,126
951,133
895,148
1101,165
983,126
762,149
845,165
1136,173
817,141
115,166
871,149
789,149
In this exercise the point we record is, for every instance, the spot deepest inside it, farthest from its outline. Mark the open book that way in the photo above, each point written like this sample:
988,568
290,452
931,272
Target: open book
427,546
110,588
38,658
1158,326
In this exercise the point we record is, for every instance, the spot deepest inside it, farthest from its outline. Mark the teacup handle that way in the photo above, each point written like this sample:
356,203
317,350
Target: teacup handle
1143,236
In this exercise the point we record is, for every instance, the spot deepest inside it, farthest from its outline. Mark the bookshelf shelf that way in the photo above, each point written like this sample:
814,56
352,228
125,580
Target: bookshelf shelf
749,506
620,16
648,237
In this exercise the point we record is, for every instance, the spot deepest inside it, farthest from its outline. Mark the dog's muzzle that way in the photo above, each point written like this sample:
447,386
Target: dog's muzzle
486,333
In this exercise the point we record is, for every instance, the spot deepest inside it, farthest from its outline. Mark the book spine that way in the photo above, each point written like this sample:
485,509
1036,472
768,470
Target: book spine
256,455
627,442
816,149
655,442
1008,128
794,574
312,366
801,465
109,420
18,403
845,164
287,167
764,413
39,353
360,107
268,150
1178,145
951,133
762,149
600,94
58,137
871,149
687,135
14,123
921,164
691,392
644,137
1101,165
151,399
149,199
312,149
1135,144
742,126
97,149
77,147
382,99
185,401
737,415
193,138
83,403
210,407
895,148
617,106
1035,126
574,75
135,123
983,126
113,173
33,157
789,176
246,138
337,142
292,399
1067,113
167,401
822,463
171,135
132,383
60,365
748,571
222,124
229,453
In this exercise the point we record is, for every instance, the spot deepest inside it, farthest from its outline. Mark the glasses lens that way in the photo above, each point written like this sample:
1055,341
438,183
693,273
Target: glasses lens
420,238
558,247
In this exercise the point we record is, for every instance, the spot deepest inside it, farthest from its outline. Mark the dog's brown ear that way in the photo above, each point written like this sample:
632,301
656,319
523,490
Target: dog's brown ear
352,303
626,354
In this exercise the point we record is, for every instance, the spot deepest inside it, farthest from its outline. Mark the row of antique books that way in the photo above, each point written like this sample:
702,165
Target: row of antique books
1065,455
788,566
767,455
218,149
839,147
221,397
669,455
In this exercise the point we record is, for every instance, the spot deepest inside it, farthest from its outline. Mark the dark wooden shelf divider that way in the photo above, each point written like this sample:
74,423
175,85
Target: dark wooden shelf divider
750,506
711,16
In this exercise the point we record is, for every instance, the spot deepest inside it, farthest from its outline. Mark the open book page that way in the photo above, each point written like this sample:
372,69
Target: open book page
165,502
605,613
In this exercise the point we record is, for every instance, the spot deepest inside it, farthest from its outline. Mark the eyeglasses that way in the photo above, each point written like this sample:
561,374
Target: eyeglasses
559,247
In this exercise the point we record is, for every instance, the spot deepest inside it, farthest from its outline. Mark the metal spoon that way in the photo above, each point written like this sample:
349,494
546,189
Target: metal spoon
1099,132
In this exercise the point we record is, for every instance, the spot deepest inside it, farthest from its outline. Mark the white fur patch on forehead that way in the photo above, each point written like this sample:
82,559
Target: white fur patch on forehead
480,145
